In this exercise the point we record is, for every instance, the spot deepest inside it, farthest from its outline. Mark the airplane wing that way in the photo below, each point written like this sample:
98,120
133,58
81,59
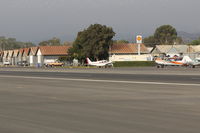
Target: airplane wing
100,63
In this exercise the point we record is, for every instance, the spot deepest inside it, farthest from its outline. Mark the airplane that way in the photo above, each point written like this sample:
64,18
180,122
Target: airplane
177,61
101,63
196,62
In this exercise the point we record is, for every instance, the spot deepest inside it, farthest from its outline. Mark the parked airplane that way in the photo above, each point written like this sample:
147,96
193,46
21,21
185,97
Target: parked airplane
101,63
184,61
196,62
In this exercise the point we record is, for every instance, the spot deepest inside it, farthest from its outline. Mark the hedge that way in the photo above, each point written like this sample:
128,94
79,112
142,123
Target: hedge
134,64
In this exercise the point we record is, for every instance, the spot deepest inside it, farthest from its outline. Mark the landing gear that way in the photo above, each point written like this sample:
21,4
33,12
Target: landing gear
191,66
160,66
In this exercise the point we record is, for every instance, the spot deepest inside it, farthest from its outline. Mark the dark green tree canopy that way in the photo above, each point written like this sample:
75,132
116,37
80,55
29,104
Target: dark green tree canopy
165,34
93,42
52,42
195,42
150,41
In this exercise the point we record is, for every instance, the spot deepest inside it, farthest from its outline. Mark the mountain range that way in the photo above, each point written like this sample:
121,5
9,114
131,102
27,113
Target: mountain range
188,37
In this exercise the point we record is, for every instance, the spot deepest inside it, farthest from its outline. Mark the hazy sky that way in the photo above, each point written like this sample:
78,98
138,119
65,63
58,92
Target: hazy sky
37,20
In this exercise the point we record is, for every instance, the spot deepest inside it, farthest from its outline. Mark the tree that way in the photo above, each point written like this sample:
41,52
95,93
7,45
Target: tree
179,40
52,42
93,42
12,43
28,44
195,42
68,43
150,41
120,42
165,34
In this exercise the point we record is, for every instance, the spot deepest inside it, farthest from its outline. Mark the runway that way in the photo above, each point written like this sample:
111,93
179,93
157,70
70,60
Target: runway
98,102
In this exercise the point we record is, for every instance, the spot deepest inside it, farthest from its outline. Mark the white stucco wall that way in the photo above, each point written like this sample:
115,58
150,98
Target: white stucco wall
144,57
15,60
39,58
33,60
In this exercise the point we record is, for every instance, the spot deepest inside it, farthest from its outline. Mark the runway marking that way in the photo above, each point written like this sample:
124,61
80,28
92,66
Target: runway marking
106,72
104,81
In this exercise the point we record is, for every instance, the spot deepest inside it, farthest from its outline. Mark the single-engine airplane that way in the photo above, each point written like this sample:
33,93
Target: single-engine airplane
101,63
177,61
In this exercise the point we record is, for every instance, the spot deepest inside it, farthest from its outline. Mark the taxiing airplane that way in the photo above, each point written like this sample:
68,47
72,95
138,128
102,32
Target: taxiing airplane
184,61
101,63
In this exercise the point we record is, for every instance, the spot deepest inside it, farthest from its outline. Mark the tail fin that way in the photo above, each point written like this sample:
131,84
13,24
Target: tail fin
187,59
88,61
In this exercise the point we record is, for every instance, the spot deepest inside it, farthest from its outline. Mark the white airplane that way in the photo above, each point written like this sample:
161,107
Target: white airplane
196,62
101,63
184,61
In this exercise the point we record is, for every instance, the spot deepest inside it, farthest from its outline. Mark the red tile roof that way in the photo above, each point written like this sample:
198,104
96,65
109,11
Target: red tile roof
5,53
34,50
10,53
21,51
54,50
127,48
16,51
26,51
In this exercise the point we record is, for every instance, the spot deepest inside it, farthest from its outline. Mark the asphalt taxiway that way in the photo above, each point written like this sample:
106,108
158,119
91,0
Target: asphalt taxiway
99,100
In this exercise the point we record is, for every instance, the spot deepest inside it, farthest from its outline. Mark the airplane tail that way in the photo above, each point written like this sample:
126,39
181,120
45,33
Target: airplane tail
187,59
88,61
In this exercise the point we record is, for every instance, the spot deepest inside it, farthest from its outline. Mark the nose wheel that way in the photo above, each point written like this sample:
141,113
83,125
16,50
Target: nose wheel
160,66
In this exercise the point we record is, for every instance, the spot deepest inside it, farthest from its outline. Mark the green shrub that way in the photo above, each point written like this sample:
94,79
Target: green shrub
134,64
